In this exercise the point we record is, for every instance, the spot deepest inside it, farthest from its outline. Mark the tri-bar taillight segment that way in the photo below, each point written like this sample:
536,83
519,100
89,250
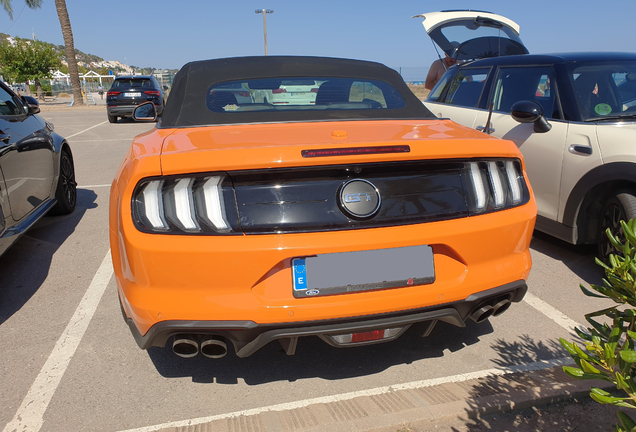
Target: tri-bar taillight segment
211,203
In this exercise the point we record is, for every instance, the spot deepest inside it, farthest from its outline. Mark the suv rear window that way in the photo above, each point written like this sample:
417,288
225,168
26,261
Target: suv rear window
132,82
301,94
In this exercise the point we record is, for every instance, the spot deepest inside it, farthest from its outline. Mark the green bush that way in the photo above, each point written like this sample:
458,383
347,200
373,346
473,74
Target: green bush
46,88
608,352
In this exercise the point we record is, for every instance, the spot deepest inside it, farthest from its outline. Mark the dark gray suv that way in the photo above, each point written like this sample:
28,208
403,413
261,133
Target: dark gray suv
129,91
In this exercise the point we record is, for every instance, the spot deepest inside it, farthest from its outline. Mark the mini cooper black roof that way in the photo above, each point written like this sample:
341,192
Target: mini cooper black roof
568,57
186,105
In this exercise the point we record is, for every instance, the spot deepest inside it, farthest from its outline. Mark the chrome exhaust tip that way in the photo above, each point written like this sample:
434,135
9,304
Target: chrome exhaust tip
213,347
482,313
501,307
489,308
185,346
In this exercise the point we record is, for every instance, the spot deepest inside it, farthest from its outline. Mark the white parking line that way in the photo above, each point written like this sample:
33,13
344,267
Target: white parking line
540,365
94,186
554,314
85,130
30,415
101,140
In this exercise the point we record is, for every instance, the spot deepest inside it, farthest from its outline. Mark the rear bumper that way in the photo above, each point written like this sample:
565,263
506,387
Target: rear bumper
248,336
127,110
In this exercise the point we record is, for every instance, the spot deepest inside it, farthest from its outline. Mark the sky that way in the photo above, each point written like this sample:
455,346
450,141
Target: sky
167,34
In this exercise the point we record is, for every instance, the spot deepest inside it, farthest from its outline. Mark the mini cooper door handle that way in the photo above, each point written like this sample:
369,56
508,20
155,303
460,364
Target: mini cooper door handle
481,129
581,150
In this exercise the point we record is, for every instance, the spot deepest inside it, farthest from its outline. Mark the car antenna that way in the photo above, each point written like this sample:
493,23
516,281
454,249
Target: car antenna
487,127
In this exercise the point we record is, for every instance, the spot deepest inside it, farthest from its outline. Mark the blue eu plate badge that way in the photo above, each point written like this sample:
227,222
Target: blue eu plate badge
300,274
366,270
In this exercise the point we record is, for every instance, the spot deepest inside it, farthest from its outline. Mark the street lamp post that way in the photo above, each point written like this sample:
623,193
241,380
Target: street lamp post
264,12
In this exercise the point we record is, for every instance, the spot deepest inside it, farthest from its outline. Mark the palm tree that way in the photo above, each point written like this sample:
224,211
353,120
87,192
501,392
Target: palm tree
67,33
6,4
69,46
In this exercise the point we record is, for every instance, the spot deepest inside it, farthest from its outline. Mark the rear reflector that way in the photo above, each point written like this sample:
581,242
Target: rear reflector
370,336
355,151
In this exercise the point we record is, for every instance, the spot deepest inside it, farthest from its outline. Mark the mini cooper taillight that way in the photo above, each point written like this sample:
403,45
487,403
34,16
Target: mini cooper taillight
496,185
197,204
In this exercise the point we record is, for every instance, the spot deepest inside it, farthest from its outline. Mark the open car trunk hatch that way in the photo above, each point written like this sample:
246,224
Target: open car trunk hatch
468,35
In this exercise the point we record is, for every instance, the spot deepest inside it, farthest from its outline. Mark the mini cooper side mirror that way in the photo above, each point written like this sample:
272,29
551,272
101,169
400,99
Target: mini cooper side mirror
31,104
530,112
145,111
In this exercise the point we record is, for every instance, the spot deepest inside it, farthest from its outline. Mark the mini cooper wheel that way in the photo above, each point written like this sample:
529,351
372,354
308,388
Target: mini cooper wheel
621,206
66,192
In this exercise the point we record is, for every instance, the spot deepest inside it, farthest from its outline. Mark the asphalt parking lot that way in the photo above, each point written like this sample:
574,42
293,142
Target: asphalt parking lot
69,362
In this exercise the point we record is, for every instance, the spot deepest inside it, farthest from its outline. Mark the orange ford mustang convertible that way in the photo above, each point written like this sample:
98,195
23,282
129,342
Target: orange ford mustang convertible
350,216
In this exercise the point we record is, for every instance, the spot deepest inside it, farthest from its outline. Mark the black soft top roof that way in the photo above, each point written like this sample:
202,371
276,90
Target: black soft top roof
186,106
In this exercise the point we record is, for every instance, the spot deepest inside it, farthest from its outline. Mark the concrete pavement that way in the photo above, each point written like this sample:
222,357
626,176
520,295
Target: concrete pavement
409,407
389,409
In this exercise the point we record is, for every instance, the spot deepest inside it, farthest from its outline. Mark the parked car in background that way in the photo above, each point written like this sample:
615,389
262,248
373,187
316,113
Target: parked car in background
572,115
237,89
298,91
129,91
349,218
37,175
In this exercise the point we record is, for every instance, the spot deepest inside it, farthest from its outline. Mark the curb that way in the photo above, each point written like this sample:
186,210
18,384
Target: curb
418,406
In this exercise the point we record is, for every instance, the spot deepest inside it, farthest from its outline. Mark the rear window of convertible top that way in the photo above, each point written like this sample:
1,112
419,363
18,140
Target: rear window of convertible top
300,94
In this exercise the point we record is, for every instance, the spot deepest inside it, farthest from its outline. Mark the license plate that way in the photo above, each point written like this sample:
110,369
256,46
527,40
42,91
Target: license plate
132,94
298,93
349,272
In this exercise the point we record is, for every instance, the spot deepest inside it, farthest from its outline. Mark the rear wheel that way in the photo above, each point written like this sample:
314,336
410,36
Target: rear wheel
112,119
621,206
66,192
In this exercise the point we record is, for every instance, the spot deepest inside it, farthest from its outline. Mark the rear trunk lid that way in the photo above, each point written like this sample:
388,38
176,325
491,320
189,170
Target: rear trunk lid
468,34
281,145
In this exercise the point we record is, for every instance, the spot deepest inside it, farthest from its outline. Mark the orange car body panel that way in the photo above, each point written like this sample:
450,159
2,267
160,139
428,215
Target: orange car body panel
249,277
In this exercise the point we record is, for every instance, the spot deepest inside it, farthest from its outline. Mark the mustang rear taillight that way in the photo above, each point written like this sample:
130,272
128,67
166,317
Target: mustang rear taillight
495,185
183,205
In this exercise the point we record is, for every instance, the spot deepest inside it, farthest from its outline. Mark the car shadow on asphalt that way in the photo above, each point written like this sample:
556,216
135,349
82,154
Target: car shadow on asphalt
316,359
578,258
25,265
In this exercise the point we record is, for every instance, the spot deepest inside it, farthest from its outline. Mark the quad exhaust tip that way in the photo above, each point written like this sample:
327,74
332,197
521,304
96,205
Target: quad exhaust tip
213,347
487,309
188,346
185,346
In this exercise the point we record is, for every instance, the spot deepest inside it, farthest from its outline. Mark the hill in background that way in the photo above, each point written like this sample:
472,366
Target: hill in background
91,62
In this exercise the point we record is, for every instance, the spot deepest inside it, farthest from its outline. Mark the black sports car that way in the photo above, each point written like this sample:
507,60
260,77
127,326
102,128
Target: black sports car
37,175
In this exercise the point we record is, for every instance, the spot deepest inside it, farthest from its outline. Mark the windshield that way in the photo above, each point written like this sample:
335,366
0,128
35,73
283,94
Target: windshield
604,90
315,93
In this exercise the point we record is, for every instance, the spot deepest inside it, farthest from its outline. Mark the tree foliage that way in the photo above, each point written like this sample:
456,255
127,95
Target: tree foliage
28,60
609,351
6,4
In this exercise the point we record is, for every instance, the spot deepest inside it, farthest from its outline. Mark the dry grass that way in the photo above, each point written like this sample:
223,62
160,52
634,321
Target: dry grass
419,90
